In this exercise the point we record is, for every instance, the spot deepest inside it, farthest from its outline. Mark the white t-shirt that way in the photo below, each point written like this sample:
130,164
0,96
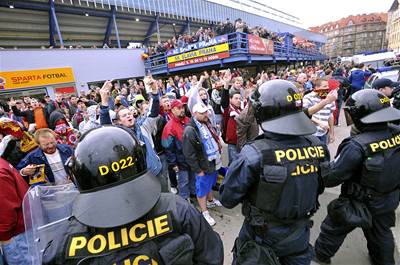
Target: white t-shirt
57,167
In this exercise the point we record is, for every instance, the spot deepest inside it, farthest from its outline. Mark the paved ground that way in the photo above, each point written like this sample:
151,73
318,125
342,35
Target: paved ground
354,249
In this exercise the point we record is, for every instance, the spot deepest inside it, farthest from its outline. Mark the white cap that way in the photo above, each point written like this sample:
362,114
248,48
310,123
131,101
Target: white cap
200,108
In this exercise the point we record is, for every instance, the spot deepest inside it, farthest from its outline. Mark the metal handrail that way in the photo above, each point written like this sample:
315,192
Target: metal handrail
238,45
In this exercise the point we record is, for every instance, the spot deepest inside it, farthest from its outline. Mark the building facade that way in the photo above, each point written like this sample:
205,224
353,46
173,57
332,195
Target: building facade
393,27
354,35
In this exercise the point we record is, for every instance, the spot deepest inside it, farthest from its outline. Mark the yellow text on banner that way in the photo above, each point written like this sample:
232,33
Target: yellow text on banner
40,77
199,53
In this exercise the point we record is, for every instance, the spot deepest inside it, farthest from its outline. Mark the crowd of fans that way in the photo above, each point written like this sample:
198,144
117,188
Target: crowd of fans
226,27
183,120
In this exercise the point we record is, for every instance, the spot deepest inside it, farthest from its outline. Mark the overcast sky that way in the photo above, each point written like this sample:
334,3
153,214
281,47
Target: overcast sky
318,12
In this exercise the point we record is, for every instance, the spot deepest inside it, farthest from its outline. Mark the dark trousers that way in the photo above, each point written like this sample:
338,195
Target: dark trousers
289,243
380,241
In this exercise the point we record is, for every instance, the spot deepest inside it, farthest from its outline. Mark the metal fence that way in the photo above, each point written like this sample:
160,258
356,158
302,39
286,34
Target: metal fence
238,46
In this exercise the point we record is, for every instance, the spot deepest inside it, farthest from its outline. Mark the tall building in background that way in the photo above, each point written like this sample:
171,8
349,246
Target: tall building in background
354,35
393,27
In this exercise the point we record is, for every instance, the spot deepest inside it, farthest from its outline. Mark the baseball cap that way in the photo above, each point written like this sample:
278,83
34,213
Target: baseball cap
200,108
382,83
184,99
176,104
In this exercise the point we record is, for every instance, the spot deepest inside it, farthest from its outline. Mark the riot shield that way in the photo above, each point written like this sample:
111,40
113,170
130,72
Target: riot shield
46,212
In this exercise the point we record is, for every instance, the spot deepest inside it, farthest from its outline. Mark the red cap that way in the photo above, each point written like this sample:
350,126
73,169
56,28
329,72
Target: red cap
184,100
176,104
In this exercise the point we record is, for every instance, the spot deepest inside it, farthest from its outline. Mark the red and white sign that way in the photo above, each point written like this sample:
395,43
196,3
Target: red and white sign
259,45
200,59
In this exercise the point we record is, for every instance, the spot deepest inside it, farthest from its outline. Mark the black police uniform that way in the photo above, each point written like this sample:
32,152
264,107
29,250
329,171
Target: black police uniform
367,165
278,179
120,215
188,240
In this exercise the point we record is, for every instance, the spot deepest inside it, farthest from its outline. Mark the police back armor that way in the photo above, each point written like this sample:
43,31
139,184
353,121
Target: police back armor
290,179
380,172
154,239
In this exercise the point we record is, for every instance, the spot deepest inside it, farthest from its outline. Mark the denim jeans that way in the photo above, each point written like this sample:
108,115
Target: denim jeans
186,182
16,251
232,153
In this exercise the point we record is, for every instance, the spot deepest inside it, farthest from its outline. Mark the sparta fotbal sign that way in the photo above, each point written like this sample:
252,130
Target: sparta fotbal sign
34,78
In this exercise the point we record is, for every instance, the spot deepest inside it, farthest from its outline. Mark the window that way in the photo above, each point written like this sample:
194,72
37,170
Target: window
350,23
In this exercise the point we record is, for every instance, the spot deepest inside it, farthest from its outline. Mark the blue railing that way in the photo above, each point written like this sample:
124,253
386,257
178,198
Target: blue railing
238,45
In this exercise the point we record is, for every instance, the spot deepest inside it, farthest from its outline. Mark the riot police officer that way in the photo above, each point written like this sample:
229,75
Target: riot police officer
120,215
367,165
278,180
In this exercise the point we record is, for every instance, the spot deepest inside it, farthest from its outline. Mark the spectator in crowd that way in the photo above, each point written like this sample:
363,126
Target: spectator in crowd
231,103
12,230
59,103
172,142
324,117
37,116
123,97
165,113
61,126
216,104
357,77
79,114
342,91
73,104
91,120
125,118
201,148
199,94
303,80
46,164
116,90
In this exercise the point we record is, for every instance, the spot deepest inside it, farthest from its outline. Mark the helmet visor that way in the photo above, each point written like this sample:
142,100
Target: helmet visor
118,205
383,115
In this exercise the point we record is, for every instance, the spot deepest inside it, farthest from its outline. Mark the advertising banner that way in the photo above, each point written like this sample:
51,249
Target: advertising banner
200,59
33,78
199,53
259,45
199,45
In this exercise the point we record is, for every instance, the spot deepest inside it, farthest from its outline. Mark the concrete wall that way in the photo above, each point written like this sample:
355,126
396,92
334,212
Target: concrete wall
89,65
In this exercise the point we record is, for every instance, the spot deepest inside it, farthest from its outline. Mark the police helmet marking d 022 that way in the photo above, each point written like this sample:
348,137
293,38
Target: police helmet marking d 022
278,109
109,169
369,106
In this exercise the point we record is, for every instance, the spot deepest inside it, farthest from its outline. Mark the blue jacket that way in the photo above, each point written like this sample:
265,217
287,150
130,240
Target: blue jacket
357,79
37,157
152,160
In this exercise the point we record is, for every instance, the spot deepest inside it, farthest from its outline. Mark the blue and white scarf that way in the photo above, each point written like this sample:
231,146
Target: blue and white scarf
210,145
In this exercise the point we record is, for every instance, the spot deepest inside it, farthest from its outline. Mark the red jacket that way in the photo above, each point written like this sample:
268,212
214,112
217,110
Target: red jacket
230,132
12,191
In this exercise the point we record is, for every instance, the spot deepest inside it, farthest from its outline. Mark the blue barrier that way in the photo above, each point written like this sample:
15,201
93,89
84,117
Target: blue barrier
239,49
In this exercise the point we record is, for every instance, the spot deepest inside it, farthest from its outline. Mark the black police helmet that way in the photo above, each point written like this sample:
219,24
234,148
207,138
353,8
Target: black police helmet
278,109
109,169
369,106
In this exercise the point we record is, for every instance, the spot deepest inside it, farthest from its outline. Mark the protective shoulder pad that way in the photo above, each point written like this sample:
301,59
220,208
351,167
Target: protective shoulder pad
167,203
265,147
